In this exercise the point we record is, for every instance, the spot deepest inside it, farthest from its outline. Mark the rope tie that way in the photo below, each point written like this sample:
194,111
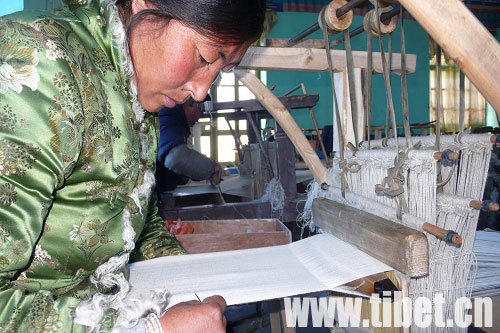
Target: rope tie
392,185
346,167
385,141
351,147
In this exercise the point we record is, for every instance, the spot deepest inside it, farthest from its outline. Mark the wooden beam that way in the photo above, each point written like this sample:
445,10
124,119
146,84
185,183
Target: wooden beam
286,121
465,40
243,210
314,60
396,245
253,105
305,43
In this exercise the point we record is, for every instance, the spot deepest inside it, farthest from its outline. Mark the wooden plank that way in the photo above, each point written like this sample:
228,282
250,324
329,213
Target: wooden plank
314,60
465,40
396,245
227,235
286,121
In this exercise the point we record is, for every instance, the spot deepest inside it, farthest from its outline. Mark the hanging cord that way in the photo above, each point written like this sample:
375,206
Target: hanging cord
340,135
237,141
438,109
461,119
352,88
392,185
388,110
404,85
387,81
369,79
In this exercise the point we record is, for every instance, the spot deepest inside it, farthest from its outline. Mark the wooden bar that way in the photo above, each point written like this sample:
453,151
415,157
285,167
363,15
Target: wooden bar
396,245
465,40
252,105
314,60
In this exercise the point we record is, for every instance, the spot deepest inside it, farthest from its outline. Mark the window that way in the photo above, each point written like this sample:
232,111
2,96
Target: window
475,104
217,141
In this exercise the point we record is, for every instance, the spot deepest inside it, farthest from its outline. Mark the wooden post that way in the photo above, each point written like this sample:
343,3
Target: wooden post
286,121
465,40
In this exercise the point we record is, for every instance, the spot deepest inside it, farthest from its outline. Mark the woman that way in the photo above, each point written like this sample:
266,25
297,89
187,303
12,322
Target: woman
77,153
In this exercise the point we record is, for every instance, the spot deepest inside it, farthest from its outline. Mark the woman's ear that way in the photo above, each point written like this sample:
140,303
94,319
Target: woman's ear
138,5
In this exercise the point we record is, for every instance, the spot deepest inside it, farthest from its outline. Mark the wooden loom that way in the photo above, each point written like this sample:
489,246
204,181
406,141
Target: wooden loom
375,235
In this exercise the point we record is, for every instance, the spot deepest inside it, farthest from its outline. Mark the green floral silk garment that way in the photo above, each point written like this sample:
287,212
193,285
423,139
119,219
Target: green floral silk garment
70,157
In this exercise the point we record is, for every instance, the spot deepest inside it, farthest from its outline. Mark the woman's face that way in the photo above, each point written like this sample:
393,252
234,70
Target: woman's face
174,62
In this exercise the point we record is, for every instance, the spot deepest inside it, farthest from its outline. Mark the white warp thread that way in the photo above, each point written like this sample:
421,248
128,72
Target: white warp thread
275,194
487,252
321,262
451,268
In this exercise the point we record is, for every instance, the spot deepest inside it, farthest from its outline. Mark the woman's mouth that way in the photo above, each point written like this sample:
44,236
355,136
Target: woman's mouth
169,103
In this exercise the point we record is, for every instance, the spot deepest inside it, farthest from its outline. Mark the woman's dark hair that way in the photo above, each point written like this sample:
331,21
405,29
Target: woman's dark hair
222,21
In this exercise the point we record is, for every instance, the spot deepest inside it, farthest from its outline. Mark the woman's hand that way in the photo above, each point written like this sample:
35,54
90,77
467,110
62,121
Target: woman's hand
194,317
216,176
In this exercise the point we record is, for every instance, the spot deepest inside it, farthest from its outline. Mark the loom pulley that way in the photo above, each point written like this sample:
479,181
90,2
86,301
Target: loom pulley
339,12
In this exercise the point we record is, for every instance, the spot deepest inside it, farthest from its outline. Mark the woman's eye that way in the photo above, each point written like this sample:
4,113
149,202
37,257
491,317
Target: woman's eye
203,60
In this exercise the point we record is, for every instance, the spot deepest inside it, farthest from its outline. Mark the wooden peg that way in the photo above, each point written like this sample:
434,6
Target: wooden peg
453,156
446,235
478,204
493,138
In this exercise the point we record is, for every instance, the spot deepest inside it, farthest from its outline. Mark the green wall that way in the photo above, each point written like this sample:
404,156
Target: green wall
10,6
417,42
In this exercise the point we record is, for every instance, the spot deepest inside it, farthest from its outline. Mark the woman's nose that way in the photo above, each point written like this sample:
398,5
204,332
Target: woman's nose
200,86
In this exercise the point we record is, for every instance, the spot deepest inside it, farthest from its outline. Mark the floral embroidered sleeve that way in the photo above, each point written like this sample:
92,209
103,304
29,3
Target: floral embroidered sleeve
40,138
155,240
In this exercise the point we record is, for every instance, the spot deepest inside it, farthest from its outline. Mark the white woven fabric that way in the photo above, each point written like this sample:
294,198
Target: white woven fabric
317,263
